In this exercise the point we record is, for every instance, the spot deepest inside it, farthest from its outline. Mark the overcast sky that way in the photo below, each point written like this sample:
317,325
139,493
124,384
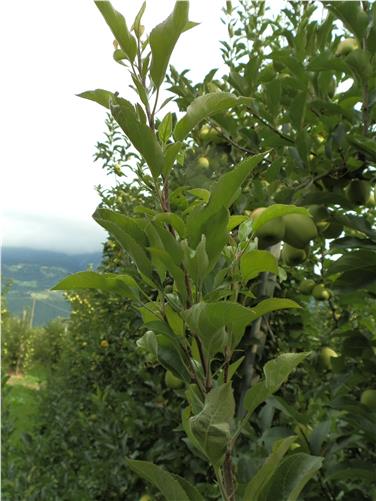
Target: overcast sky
52,50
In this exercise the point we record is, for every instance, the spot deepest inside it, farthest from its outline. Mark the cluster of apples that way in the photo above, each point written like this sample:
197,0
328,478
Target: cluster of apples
295,230
318,291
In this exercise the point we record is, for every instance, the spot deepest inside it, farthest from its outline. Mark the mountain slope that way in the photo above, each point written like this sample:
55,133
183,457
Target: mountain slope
32,273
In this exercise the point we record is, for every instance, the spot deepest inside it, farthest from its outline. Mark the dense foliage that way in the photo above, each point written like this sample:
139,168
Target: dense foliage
299,94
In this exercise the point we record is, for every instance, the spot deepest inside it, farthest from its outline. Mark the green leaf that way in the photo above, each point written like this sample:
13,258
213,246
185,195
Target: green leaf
211,427
193,493
273,304
264,474
204,107
169,243
137,20
235,220
163,39
149,343
257,261
234,367
171,357
100,96
174,320
289,410
352,470
165,128
197,262
174,270
215,231
356,223
297,110
171,153
164,481
109,282
245,229
126,223
155,242
360,260
359,62
291,476
357,268
326,62
119,29
255,396
273,95
192,442
223,195
278,370
200,193
349,243
174,220
140,135
326,198
129,244
278,210
364,144
209,319
276,373
352,16
225,189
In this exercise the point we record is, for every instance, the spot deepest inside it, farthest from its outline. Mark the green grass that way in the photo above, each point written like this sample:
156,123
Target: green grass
22,400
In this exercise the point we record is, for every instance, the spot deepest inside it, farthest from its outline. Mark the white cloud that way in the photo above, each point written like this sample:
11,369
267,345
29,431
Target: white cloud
55,50
52,232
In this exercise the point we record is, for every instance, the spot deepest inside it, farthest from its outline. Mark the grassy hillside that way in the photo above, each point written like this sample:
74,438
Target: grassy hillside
32,273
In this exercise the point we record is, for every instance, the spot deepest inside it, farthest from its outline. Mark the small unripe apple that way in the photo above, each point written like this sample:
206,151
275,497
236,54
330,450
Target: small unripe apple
371,200
359,191
346,46
139,30
172,381
326,354
269,233
299,230
368,398
321,293
306,286
223,157
145,497
293,256
203,162
209,134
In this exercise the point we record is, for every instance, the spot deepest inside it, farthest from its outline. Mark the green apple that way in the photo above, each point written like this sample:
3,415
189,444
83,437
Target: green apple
346,46
203,162
359,191
326,354
306,286
293,256
320,292
209,134
371,200
172,381
368,398
145,497
299,230
271,232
